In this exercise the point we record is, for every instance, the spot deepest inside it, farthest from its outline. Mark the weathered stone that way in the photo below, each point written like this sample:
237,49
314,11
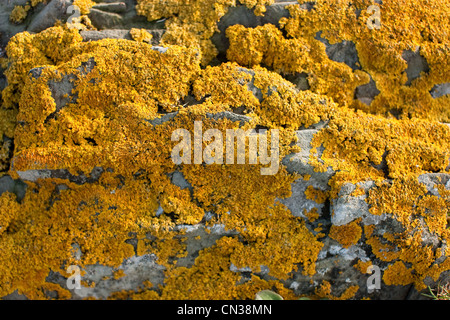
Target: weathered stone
163,118
416,65
335,263
116,7
299,79
297,203
34,175
367,92
347,208
344,51
299,162
18,187
230,116
94,35
104,20
178,179
440,90
114,14
432,180
52,12
8,28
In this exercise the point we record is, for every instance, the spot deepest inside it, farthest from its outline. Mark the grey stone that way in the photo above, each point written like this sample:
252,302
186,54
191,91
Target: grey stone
115,7
159,211
94,35
159,49
257,92
113,14
137,269
8,28
245,16
36,72
416,65
62,93
164,118
53,11
178,179
35,174
367,92
105,20
344,52
432,180
440,90
297,203
300,80
263,269
15,296
347,208
230,116
62,90
8,184
299,162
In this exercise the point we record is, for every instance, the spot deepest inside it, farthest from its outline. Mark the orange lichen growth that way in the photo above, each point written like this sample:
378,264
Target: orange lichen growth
348,234
119,274
379,52
316,195
210,278
407,201
193,23
356,143
84,5
225,85
117,87
398,274
324,292
362,266
266,44
114,105
44,48
312,215
141,35
5,153
19,13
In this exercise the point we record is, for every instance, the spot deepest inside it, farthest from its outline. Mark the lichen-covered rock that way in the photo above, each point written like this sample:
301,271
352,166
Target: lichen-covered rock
363,170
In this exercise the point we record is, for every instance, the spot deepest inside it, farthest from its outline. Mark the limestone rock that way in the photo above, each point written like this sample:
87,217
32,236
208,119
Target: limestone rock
346,208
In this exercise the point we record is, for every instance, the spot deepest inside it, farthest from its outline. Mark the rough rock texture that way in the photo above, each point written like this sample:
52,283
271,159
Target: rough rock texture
89,137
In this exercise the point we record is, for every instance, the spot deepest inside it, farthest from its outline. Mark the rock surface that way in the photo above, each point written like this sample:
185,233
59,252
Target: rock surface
146,228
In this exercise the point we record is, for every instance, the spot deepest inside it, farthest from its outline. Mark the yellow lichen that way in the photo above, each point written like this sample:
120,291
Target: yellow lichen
119,274
129,83
141,35
193,23
347,234
19,13
408,202
84,5
363,266
316,195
